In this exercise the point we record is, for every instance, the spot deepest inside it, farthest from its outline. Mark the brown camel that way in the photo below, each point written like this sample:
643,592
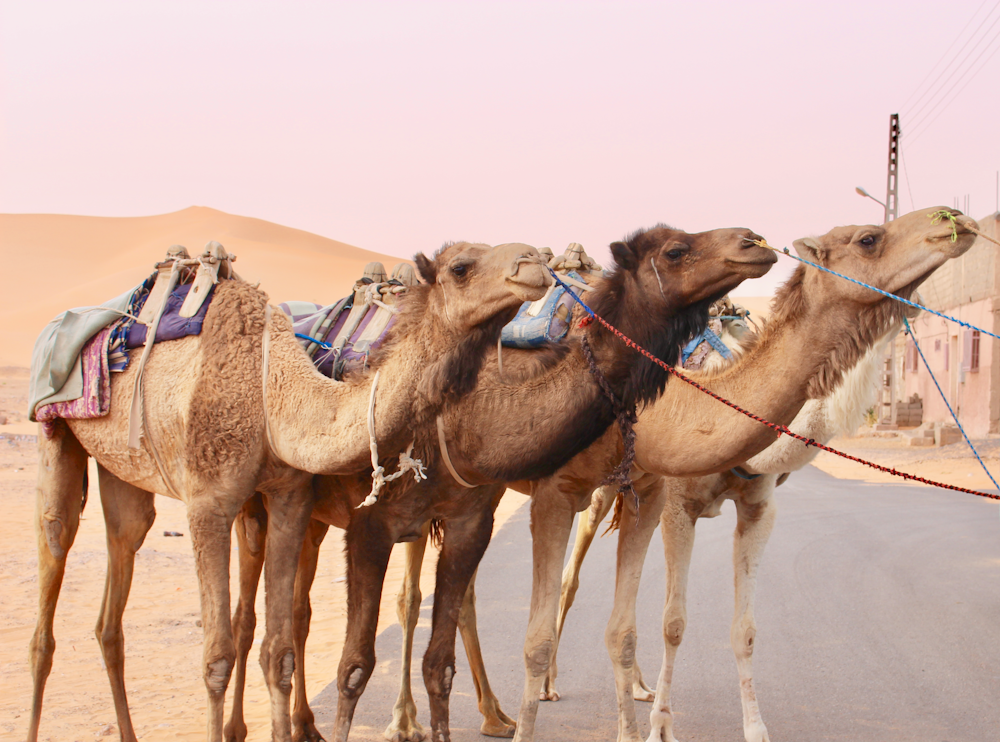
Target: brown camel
824,326
225,424
659,293
750,487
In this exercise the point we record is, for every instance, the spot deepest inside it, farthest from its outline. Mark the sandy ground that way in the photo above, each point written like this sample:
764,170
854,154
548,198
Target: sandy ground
163,639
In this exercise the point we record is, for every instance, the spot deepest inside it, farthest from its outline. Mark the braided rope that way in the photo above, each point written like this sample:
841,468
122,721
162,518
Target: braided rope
780,429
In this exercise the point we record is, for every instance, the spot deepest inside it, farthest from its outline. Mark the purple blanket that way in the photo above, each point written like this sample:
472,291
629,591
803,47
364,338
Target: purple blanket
172,326
96,399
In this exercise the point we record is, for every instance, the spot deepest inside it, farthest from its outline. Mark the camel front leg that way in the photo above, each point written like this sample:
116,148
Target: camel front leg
303,721
129,513
677,529
753,528
621,637
600,505
289,510
368,545
60,493
551,523
465,542
495,722
404,726
251,533
210,520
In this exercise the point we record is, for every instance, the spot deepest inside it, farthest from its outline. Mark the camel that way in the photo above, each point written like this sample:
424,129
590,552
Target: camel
227,412
822,327
750,486
659,293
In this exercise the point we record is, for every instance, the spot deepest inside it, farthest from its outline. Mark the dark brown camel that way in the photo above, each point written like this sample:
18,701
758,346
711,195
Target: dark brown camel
522,423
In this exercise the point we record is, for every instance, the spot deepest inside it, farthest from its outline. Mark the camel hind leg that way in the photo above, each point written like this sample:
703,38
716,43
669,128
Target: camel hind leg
404,726
60,493
303,721
251,531
600,505
753,528
128,515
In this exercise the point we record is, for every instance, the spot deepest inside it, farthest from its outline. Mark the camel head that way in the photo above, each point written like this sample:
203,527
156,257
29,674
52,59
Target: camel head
897,256
470,284
662,285
470,292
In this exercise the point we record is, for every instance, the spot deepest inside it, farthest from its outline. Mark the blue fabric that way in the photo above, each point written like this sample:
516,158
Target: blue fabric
532,332
706,336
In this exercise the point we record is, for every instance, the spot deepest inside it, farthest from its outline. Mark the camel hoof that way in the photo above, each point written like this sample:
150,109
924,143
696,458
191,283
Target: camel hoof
549,695
411,732
307,733
497,728
643,694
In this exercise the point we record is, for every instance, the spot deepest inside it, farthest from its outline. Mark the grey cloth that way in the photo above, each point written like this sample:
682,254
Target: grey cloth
56,372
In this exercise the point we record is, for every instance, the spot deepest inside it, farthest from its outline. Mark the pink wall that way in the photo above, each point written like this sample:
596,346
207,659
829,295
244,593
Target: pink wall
947,351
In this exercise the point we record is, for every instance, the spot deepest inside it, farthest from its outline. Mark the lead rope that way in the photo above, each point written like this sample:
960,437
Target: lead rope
406,463
626,418
443,444
779,429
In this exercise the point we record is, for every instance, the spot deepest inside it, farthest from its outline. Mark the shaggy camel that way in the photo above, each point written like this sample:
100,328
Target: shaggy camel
824,326
664,281
750,487
226,424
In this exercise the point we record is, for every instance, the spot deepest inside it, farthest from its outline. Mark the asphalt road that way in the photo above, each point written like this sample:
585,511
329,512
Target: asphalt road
878,616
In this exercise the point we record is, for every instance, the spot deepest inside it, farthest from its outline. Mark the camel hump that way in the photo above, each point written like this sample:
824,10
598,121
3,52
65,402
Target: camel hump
405,274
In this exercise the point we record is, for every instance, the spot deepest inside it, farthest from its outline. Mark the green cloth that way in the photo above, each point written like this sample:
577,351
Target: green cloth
56,372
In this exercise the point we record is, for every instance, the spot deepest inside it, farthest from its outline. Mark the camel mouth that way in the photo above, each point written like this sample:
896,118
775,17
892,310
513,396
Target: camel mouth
755,268
530,283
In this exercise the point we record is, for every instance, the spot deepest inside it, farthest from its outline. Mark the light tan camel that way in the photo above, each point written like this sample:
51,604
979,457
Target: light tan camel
224,427
824,325
659,293
750,486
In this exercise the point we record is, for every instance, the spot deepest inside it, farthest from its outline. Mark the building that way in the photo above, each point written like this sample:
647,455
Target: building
965,362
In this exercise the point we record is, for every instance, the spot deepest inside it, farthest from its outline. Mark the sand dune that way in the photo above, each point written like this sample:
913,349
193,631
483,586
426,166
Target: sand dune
52,262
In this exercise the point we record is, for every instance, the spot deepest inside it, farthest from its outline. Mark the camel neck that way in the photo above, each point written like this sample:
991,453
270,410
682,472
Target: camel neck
688,433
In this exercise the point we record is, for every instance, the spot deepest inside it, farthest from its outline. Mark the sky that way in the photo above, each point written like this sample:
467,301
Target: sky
396,126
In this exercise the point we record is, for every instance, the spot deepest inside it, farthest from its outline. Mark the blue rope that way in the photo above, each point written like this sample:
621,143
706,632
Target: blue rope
320,343
927,366
569,290
785,251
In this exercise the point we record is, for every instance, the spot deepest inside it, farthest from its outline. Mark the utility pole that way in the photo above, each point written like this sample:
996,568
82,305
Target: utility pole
892,179
887,411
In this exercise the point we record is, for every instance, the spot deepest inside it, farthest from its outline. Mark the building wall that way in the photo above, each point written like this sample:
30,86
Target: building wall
967,288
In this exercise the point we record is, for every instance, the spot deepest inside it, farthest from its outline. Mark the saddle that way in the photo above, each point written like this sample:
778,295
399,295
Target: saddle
341,337
547,320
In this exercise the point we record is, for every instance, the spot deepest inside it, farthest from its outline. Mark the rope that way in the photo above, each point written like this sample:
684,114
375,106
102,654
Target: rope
320,343
954,416
406,463
780,429
938,215
446,458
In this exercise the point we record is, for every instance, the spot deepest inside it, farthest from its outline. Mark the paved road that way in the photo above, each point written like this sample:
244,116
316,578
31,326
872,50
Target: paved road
878,619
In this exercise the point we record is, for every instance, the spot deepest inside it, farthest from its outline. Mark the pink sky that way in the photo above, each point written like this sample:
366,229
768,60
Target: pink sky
397,126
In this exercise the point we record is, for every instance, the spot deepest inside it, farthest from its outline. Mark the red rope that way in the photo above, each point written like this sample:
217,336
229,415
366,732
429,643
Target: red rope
781,428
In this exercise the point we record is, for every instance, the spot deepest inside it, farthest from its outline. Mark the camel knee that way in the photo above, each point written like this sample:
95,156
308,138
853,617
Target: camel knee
743,640
284,671
621,646
217,674
41,649
55,537
439,682
353,681
538,658
673,631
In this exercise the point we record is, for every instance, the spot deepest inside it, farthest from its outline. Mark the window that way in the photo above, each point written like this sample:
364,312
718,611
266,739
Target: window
974,351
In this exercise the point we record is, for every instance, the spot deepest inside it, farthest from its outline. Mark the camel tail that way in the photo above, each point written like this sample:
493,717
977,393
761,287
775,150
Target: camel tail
437,532
86,488
616,518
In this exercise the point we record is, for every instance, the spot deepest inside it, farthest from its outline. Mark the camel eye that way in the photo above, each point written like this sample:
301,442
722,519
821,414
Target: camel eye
459,269
867,241
674,254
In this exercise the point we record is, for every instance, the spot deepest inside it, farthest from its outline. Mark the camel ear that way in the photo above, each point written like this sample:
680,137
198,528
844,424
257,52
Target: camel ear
810,249
426,267
624,255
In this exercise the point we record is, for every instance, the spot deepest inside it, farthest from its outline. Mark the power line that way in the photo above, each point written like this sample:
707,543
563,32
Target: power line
956,91
931,70
943,88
